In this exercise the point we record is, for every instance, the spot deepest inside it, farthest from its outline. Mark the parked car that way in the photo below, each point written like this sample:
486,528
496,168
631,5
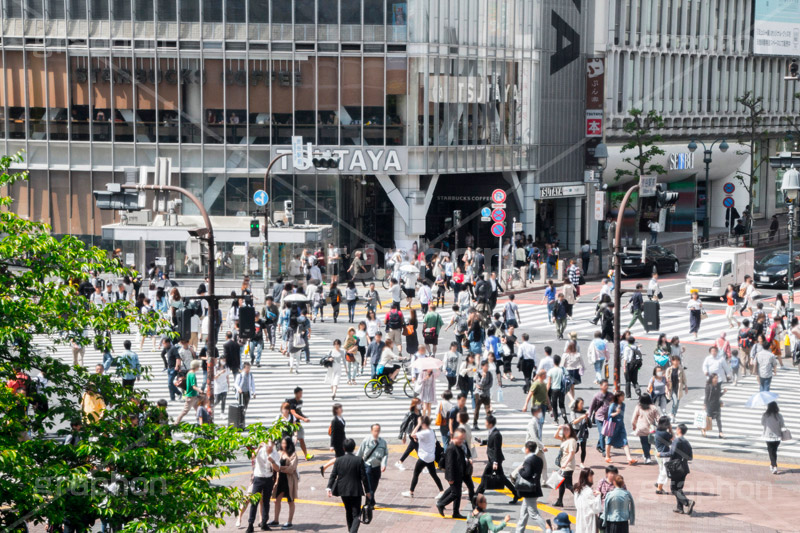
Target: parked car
657,259
772,270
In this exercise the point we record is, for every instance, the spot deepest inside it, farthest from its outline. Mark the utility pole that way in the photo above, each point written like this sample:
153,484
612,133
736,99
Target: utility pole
618,284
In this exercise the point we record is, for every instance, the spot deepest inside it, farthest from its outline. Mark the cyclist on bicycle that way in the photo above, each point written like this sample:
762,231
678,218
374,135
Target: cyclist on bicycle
387,367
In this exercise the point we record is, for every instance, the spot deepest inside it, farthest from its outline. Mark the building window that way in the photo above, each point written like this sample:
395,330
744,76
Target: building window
122,9
76,9
56,9
99,9
373,12
281,11
259,11
166,10
328,12
235,11
304,11
34,9
351,11
190,10
143,10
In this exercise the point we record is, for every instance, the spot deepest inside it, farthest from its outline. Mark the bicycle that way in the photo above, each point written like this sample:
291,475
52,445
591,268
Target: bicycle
377,386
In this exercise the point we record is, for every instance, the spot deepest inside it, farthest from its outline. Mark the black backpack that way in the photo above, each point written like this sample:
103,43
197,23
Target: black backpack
473,522
394,322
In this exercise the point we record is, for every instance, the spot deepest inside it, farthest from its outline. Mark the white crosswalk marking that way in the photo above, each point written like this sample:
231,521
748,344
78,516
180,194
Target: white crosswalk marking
274,385
741,425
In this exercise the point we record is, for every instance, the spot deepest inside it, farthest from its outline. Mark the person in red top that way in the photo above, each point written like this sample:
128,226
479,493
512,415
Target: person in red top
19,385
458,282
730,309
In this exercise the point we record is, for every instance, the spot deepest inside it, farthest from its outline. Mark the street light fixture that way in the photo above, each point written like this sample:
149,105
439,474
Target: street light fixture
601,155
790,186
723,147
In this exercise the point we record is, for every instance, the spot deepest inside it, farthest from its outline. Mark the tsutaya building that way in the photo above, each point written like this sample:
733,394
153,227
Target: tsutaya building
429,104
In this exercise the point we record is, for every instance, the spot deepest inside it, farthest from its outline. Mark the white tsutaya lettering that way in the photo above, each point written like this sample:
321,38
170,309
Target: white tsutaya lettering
375,157
392,161
357,161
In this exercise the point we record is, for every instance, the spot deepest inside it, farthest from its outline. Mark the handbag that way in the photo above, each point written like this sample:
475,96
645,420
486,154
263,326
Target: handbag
349,357
495,482
703,314
555,480
523,485
701,420
429,335
439,419
676,469
408,330
298,341
608,428
786,434
366,514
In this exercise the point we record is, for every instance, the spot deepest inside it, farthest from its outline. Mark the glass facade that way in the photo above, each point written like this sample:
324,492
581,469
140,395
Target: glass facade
91,87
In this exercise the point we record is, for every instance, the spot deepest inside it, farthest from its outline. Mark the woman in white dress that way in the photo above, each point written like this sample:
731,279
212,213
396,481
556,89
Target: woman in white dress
587,503
427,390
336,355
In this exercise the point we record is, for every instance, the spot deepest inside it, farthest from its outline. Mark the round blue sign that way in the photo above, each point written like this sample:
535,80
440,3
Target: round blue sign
729,188
728,202
485,212
261,198
498,215
498,229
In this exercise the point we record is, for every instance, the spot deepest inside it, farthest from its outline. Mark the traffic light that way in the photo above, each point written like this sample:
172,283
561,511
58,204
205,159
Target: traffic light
117,201
794,70
183,317
665,198
247,321
324,163
255,229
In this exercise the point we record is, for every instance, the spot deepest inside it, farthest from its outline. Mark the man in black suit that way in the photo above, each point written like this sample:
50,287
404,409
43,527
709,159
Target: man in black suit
455,470
479,262
494,453
349,481
232,354
531,472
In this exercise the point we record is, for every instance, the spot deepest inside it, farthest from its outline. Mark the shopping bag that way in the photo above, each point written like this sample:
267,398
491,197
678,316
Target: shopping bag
499,395
608,428
700,419
555,480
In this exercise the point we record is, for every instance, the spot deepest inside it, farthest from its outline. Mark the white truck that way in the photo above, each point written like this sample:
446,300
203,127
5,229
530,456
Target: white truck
717,268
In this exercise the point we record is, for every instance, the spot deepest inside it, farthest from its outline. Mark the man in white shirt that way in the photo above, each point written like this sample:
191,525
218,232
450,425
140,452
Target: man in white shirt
315,274
547,361
265,464
396,292
655,227
527,361
296,268
333,262
424,296
245,386
715,363
97,297
653,289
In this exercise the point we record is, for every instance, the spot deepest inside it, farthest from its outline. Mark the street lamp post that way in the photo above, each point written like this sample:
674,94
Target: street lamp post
601,154
723,147
790,187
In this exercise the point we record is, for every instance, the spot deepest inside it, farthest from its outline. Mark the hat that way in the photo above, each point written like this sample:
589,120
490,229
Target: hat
693,291
562,519
573,335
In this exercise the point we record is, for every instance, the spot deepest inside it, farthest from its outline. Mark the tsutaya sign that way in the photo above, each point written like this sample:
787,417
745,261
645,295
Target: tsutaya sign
352,160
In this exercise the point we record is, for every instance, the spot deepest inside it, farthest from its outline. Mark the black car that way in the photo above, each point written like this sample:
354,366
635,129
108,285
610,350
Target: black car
772,270
657,259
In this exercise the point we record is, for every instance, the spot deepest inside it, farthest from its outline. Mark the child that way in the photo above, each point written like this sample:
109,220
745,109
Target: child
318,304
734,363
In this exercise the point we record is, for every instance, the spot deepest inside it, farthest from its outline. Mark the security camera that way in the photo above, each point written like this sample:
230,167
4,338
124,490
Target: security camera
287,205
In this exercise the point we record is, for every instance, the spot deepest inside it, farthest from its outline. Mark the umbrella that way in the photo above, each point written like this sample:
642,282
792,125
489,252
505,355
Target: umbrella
761,399
408,268
427,363
295,298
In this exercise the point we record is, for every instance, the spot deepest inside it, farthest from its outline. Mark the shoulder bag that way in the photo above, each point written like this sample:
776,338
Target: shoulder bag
608,428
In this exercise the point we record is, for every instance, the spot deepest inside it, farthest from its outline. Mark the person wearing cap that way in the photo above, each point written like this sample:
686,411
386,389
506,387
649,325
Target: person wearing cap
562,523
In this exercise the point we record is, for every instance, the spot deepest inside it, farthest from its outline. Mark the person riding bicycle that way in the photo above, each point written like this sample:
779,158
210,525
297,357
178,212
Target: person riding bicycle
386,366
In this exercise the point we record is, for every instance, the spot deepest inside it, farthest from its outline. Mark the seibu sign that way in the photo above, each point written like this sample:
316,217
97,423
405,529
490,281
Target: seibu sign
352,160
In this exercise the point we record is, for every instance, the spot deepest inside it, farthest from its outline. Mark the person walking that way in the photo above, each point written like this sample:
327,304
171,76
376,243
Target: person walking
632,359
287,482
569,447
318,304
581,424
614,428
527,361
335,298
374,451
598,412
456,463
765,364
394,326
659,389
349,481
618,510
587,503
466,374
662,439
193,392
410,333
680,453
483,392
555,389
351,297
350,349
774,432
493,475
529,487
560,312
221,382
407,426
637,307
712,402
730,306
695,307
266,462
426,456
484,520
128,366
245,386
337,433
573,367
431,326
333,362
296,410
597,354
363,341
644,419
373,353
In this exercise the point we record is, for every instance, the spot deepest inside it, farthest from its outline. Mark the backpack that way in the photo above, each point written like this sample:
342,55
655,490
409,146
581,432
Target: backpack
461,323
742,291
746,339
394,321
474,522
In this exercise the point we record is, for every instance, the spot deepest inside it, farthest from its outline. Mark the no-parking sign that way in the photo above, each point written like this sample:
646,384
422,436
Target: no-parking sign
498,215
728,202
498,229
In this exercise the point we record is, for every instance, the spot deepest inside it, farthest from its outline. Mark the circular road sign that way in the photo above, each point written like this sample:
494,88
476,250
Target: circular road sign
728,202
261,198
485,212
498,196
498,215
498,229
729,188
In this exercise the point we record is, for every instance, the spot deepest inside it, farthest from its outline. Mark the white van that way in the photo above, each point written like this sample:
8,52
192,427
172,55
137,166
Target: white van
717,268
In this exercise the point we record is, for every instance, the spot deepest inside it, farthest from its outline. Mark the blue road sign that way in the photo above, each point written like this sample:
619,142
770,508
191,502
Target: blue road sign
498,229
485,212
728,202
261,198
498,215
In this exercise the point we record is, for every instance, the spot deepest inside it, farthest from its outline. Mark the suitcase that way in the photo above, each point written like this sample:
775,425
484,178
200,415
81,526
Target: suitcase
652,316
236,416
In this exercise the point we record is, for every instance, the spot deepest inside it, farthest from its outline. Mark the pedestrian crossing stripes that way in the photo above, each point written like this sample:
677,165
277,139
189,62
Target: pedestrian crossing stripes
274,384
741,425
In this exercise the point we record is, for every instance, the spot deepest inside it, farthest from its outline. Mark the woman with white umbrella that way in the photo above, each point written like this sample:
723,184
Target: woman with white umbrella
426,381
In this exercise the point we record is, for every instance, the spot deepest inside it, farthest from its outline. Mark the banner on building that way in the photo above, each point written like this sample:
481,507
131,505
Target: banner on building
595,95
776,28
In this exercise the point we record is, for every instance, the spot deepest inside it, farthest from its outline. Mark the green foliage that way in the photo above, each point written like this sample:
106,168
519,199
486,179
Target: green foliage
126,468
642,130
